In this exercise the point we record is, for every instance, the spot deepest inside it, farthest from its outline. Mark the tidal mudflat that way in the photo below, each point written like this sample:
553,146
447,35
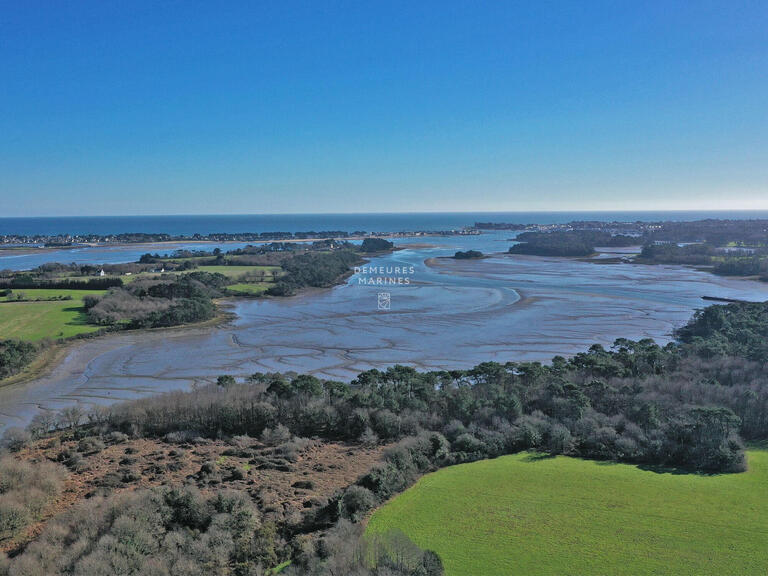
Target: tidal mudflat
450,314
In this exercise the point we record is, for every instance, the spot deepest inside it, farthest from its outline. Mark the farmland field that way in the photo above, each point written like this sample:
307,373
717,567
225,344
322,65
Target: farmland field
252,288
236,271
47,318
532,515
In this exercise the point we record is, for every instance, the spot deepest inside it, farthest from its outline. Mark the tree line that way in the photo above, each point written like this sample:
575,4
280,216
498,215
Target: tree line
685,404
14,356
158,303
735,261
568,243
28,282
313,269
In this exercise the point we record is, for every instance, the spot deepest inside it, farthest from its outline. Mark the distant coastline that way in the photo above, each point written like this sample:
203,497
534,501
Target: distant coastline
181,225
152,245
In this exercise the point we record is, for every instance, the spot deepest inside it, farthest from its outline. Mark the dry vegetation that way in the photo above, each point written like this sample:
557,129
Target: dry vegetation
274,469
87,501
283,480
27,490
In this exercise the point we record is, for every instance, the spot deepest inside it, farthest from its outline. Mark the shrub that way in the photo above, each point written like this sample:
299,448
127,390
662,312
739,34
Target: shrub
25,491
467,443
181,437
356,502
225,381
277,435
468,255
14,356
560,440
116,437
14,439
13,516
376,245
157,531
90,445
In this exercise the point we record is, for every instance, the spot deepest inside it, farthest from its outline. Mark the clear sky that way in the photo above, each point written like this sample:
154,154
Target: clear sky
126,107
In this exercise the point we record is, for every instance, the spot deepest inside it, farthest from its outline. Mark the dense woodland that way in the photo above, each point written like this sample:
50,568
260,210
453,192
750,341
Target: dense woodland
468,255
733,261
370,245
723,251
568,243
718,232
27,281
316,270
158,303
14,355
689,406
752,232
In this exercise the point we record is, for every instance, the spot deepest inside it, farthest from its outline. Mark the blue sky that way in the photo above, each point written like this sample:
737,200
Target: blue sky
217,107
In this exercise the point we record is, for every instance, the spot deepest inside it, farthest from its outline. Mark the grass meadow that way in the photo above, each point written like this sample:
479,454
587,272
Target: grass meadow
531,515
240,271
42,316
33,321
251,289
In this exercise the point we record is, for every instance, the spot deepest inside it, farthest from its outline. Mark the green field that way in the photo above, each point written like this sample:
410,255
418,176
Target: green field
240,271
53,319
233,272
252,288
528,515
49,318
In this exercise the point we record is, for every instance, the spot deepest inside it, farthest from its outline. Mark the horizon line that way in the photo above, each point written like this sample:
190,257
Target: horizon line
246,214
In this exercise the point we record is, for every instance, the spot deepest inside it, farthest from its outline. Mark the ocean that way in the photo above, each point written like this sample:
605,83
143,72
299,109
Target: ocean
180,225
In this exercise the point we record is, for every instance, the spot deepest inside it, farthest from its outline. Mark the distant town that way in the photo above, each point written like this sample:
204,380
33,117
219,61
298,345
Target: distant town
67,240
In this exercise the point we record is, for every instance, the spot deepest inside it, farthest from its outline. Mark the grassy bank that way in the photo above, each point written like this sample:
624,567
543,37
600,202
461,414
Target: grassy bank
45,313
530,515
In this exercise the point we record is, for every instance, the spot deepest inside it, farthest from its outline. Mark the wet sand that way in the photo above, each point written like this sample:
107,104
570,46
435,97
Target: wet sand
451,314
